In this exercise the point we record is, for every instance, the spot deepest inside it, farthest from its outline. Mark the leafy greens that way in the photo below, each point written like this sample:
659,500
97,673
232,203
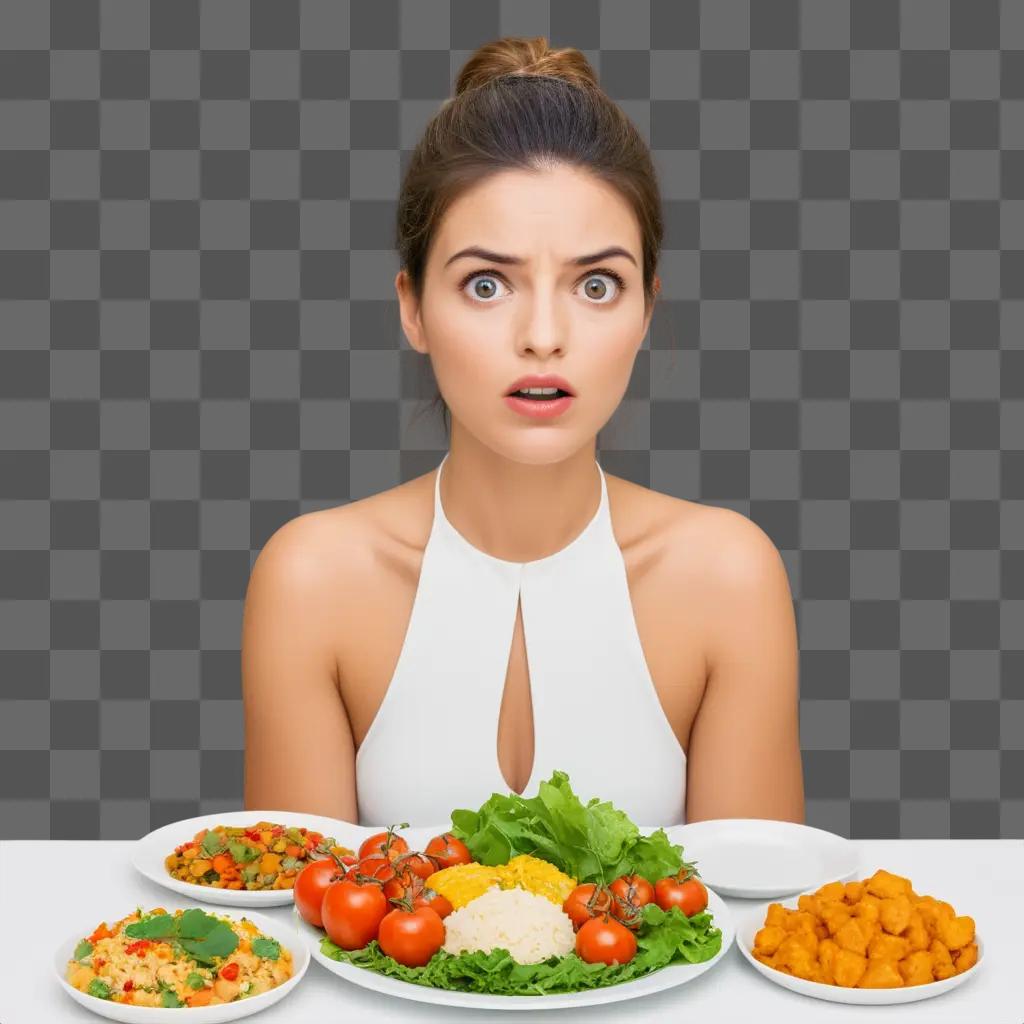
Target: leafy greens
664,938
592,842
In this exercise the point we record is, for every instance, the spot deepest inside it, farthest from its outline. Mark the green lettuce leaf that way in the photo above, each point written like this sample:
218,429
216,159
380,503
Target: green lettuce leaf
595,842
663,939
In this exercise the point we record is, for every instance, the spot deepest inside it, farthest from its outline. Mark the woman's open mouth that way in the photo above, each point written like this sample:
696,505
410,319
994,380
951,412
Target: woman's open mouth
540,403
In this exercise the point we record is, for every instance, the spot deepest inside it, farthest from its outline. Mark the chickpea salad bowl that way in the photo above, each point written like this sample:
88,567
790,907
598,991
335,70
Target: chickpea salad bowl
149,964
244,859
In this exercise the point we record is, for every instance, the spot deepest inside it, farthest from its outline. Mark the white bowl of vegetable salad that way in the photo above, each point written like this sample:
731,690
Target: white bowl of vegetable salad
151,964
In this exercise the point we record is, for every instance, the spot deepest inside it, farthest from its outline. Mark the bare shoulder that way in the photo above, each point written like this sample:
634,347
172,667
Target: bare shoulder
345,544
717,545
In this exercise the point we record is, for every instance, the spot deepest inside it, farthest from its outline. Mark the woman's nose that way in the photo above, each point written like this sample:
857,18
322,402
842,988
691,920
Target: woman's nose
543,329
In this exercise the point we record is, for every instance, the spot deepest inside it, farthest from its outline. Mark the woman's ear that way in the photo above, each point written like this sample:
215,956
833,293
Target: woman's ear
655,288
409,312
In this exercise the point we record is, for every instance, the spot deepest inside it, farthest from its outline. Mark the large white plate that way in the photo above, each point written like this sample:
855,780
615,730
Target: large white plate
752,922
667,977
287,936
758,858
151,850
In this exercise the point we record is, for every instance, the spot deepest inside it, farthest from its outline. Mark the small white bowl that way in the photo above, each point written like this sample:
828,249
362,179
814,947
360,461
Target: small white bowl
285,934
749,926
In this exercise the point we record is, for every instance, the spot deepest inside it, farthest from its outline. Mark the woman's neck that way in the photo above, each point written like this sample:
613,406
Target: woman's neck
515,511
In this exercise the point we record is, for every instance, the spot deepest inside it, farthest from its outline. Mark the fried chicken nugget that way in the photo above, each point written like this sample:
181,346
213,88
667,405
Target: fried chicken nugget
835,915
853,891
851,937
881,974
894,914
966,958
916,969
768,939
827,953
888,947
954,932
931,910
831,892
916,933
884,884
849,968
942,962
796,953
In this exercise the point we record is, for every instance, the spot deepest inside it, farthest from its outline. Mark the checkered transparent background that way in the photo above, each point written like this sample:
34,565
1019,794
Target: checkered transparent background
199,341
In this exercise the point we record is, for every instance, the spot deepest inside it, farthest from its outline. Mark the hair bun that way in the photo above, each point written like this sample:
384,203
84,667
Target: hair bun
521,55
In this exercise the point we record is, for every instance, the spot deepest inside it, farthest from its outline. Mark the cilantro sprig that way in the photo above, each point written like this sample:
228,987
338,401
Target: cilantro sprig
202,936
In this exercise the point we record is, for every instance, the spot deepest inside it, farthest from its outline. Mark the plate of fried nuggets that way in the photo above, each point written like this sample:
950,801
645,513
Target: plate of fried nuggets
872,941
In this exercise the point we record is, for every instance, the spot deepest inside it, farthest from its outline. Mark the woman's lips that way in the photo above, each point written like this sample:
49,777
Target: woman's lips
540,409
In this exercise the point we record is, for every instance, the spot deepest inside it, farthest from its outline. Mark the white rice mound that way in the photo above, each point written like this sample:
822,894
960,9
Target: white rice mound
530,927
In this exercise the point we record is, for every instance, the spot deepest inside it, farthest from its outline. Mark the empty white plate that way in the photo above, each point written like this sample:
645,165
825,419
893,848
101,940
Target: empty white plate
757,858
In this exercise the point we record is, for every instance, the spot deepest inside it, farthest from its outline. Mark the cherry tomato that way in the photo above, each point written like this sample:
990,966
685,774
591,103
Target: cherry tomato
411,937
374,867
352,912
384,844
417,863
633,889
428,897
310,885
447,851
630,892
604,940
586,901
684,890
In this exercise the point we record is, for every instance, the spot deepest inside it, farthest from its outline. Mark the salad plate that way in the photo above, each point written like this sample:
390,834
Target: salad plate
282,932
671,976
533,902
757,858
150,853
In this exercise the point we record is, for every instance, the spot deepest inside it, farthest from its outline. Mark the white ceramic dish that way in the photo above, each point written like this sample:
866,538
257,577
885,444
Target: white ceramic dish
752,922
151,850
667,977
756,858
285,934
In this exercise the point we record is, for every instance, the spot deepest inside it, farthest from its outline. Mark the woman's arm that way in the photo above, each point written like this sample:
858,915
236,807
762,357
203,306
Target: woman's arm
299,752
744,758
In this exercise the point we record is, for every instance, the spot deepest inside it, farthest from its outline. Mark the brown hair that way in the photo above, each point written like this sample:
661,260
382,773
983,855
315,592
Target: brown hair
520,105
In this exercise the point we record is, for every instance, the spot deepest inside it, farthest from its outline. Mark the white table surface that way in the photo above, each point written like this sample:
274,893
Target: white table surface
42,902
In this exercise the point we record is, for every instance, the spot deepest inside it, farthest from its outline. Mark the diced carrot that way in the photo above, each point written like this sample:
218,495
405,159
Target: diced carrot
270,863
222,863
292,850
200,998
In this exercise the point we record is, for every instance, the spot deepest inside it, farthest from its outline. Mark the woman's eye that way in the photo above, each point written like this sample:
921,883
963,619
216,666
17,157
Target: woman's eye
483,287
601,288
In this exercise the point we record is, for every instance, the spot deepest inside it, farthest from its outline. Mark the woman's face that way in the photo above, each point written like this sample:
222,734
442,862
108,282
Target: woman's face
486,322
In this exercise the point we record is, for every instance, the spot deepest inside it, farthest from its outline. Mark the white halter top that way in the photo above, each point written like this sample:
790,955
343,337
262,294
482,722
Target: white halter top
432,746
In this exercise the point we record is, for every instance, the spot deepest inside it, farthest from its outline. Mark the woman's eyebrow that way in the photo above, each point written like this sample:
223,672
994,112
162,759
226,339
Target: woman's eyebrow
581,261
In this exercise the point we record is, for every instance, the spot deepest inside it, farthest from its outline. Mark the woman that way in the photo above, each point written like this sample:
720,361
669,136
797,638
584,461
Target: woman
516,610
